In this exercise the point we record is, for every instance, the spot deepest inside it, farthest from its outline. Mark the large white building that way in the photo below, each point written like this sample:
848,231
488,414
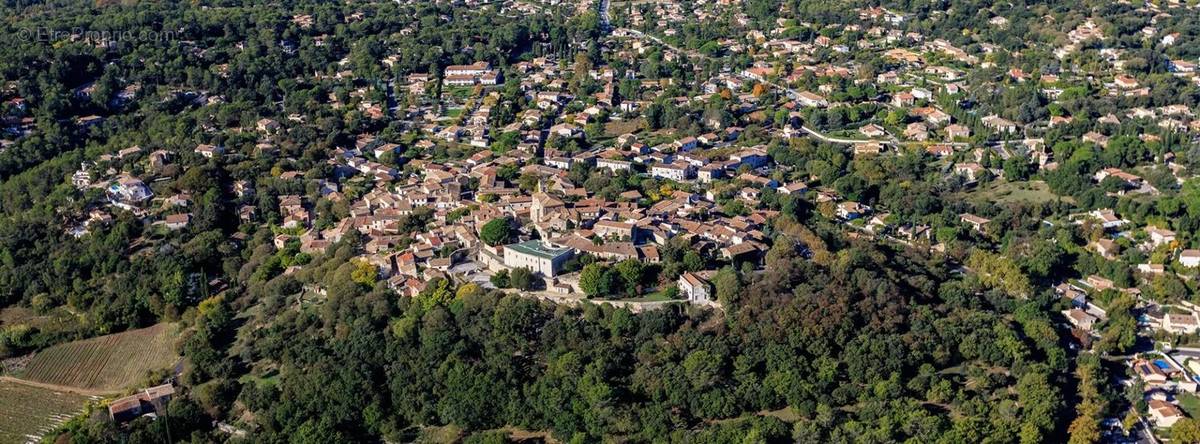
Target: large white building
538,256
677,171
474,69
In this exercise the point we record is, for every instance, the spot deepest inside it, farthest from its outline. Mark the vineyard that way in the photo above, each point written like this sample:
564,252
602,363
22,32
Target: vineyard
26,412
106,363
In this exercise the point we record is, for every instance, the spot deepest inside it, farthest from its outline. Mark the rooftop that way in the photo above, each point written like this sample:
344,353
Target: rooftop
538,249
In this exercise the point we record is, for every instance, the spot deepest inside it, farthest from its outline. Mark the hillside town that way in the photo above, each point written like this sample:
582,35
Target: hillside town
643,169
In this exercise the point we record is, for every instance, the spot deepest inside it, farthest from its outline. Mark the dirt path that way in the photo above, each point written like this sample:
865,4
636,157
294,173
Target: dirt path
56,387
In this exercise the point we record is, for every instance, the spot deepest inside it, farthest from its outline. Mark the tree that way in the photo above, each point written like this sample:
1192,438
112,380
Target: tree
500,279
594,280
630,271
468,290
1085,429
496,231
364,273
692,261
521,278
727,285
1186,430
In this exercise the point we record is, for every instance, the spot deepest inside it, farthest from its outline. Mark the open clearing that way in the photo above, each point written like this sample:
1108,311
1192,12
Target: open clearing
1017,192
107,363
27,412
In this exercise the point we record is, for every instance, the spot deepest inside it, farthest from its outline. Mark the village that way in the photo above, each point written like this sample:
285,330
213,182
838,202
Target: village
553,176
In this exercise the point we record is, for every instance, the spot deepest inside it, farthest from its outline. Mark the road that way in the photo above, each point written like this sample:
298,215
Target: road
57,388
576,299
605,23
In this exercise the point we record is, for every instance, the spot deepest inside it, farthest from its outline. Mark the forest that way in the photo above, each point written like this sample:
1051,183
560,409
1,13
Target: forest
872,345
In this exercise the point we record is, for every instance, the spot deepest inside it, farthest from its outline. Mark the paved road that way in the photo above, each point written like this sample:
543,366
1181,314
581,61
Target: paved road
604,19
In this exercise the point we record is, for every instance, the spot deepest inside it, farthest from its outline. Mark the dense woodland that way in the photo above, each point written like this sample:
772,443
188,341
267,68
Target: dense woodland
867,346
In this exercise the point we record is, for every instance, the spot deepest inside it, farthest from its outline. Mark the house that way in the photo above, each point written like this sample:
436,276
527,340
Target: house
794,188
940,151
1099,283
868,149
538,256
127,192
1181,66
872,130
1129,180
1077,297
177,221
209,151
752,157
266,125
811,100
613,164
957,131
1125,82
971,170
1163,413
686,144
148,401
999,124
1181,323
614,229
458,80
1189,258
916,131
1106,248
1160,236
974,221
710,172
1149,372
677,171
1151,268
694,289
1080,319
903,100
852,210
1108,219
474,69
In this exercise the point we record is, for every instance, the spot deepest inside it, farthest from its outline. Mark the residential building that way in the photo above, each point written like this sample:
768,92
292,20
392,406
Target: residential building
694,289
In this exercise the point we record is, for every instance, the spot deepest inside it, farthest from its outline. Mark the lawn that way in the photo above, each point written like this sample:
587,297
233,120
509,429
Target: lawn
1016,192
658,296
618,127
107,363
27,412
1189,403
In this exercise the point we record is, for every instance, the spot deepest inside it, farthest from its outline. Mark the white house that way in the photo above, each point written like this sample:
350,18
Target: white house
852,210
677,171
1080,318
1181,323
1190,258
127,191
1163,413
694,289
